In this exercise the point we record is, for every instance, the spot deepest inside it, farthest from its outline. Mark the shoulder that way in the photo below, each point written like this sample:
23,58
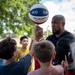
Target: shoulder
68,34
67,38
26,58
50,36
19,50
59,69
35,72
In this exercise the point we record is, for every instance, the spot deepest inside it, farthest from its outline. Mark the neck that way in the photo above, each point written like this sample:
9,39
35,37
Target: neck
46,65
24,48
57,35
7,62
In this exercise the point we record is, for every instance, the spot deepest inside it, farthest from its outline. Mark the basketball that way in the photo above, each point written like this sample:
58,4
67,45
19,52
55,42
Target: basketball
38,13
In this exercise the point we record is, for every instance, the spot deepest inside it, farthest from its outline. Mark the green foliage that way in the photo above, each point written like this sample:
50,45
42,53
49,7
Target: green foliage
14,16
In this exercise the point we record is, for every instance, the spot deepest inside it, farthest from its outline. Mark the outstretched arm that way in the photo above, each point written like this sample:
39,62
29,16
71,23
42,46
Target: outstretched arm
37,36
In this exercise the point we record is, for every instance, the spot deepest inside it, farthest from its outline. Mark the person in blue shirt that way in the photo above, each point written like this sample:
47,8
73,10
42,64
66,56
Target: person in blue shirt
8,51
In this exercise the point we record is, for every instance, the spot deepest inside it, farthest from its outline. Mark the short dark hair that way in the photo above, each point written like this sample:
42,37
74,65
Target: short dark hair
60,17
43,51
23,37
7,47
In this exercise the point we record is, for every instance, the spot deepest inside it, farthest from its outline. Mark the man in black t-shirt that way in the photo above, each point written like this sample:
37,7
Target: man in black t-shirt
60,38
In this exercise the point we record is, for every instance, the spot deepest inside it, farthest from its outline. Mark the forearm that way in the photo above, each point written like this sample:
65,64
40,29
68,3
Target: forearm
31,53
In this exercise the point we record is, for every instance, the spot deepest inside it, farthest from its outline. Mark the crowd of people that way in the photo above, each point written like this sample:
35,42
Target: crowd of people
54,55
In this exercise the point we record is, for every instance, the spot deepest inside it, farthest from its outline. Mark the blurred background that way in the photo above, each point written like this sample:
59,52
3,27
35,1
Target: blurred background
14,20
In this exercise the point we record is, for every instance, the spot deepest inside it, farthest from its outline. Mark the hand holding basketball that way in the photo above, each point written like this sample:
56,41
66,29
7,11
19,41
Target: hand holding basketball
38,33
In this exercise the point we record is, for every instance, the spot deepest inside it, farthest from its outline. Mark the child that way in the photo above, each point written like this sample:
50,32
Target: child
8,51
24,50
44,51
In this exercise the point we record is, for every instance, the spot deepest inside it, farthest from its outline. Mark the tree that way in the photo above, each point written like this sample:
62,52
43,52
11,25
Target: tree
45,33
14,16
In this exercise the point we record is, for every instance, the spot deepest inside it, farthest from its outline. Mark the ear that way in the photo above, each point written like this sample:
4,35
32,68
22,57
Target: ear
20,42
63,24
54,55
